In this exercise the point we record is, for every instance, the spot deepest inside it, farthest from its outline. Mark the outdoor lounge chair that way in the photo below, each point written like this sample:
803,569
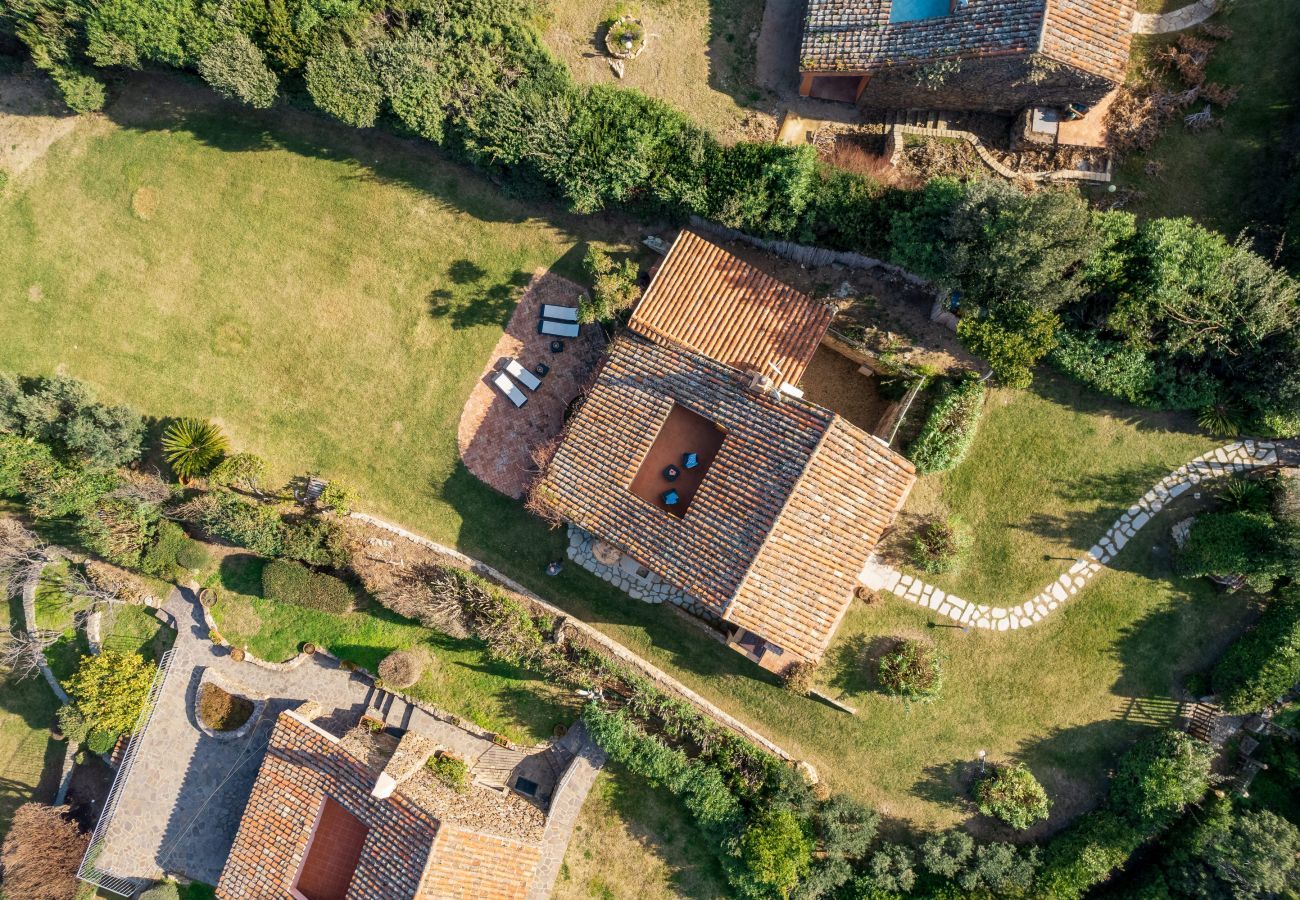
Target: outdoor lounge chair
508,388
560,313
522,375
560,329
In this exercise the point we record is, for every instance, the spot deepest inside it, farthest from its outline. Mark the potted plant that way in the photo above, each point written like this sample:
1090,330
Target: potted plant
308,648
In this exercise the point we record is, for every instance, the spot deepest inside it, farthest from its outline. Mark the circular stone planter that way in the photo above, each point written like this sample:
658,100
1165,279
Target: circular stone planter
210,677
625,38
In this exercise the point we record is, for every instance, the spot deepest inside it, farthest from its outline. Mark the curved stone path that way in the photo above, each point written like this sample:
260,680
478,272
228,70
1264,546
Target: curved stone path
1228,459
1175,20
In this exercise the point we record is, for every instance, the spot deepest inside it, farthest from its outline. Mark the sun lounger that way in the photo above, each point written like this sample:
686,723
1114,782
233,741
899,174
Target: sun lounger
560,329
522,375
508,388
560,313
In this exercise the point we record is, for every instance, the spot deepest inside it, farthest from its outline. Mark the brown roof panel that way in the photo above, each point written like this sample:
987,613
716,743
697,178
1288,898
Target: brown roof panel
1092,35
707,300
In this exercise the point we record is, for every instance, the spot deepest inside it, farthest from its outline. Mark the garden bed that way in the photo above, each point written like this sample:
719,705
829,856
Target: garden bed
220,711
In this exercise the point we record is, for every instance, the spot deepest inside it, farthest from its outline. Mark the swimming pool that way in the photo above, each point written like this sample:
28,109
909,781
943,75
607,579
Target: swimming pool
912,10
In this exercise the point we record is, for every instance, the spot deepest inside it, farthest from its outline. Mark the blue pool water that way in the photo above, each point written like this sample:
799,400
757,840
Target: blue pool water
912,10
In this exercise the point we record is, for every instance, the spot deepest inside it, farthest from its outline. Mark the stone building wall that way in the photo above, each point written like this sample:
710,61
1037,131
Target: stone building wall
1004,84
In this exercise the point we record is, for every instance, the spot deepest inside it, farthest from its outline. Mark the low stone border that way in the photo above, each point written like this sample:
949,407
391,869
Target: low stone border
254,717
1238,456
894,148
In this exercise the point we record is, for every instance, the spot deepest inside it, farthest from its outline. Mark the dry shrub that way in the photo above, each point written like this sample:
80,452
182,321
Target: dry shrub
400,669
539,502
41,853
932,157
851,156
1218,94
797,677
113,580
221,710
427,593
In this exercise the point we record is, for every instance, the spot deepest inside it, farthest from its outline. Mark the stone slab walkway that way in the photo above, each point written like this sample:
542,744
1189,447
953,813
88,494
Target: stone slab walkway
1239,456
1176,20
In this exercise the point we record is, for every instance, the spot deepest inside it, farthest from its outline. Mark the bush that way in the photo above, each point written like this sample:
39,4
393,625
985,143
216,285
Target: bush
798,677
343,83
163,890
221,710
1264,663
949,429
1010,792
317,542
119,529
1086,854
41,853
62,413
911,670
1159,776
172,552
1234,542
1107,366
1002,870
450,770
776,852
236,67
890,869
251,525
101,742
110,690
844,827
400,669
289,582
73,724
338,497
940,546
1012,348
244,470
945,854
614,287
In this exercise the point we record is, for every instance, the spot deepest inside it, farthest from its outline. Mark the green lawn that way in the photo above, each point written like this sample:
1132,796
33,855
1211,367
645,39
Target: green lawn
330,297
1236,175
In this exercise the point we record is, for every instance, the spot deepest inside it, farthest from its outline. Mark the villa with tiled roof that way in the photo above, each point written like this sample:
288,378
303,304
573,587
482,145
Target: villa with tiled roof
994,55
362,818
696,459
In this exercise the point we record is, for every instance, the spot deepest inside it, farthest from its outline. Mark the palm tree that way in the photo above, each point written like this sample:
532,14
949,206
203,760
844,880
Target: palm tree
192,446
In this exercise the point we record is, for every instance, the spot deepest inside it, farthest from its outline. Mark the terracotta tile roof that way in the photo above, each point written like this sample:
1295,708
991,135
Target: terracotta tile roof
802,582
785,517
1092,35
856,35
714,303
301,768
466,865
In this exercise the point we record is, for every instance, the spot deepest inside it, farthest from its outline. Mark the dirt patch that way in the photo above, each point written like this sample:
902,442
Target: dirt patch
835,382
144,203
221,710
32,119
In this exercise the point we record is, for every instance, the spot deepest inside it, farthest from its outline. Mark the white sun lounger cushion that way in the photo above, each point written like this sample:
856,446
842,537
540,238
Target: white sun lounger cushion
560,313
560,329
522,375
508,388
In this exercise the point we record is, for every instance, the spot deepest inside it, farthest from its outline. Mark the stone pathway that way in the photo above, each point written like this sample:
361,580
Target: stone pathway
1231,458
1177,20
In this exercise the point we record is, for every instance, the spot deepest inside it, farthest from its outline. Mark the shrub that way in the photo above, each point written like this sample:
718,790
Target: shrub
1086,854
1001,869
244,470
163,558
889,869
401,669
73,724
1012,348
41,853
192,556
119,529
81,92
844,827
911,670
1010,792
62,413
1234,542
798,676
1159,776
1107,366
110,689
776,852
251,525
221,710
450,770
614,287
1256,852
163,890
945,854
289,582
1264,663
940,546
343,83
101,742
192,447
949,429
317,542
338,497
236,67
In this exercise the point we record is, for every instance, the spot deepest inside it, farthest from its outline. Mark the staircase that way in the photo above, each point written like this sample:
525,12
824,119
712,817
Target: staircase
494,768
390,708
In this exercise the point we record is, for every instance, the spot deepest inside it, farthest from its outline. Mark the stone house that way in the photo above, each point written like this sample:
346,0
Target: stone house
997,56
695,471
362,818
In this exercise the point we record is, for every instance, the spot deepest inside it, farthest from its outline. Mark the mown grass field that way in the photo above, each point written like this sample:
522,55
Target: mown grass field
330,297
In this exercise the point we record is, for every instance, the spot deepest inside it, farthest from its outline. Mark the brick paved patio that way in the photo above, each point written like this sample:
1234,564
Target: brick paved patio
496,440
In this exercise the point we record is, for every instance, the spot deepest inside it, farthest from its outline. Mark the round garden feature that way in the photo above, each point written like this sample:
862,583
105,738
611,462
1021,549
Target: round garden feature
625,38
221,711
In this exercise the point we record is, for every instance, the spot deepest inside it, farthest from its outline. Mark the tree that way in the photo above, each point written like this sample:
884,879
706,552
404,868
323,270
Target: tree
1159,776
1256,852
1002,869
844,827
41,853
1234,542
104,436
614,288
890,869
110,689
242,470
192,447
62,413
1264,663
945,854
1010,792
236,67
776,852
1012,345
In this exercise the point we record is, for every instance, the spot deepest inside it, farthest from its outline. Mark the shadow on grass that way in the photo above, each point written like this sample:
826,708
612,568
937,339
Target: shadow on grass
483,304
242,573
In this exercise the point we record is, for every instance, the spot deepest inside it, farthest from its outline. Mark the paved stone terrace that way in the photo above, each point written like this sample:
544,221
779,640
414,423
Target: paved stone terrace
496,440
1231,458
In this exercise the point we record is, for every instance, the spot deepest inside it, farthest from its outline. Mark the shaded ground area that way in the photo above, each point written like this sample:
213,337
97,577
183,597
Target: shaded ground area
498,442
833,381
32,118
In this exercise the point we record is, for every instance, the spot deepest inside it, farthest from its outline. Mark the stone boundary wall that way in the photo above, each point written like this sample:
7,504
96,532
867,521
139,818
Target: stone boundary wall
617,650
566,803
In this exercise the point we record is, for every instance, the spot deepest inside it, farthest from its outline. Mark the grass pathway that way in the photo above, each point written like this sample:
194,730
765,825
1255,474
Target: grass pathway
1236,457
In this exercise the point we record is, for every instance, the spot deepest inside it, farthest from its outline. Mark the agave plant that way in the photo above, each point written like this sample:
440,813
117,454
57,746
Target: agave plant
1245,494
1219,420
192,446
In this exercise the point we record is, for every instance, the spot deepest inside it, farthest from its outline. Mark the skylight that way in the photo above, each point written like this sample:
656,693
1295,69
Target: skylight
332,854
915,10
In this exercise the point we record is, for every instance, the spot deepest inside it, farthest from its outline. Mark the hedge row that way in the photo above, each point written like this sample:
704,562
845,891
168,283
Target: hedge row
949,430
290,582
1265,662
